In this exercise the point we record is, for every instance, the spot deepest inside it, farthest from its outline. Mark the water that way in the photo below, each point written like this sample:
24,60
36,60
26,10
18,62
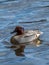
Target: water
14,12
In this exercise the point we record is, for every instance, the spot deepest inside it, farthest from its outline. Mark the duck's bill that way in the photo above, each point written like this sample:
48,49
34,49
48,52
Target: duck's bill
12,32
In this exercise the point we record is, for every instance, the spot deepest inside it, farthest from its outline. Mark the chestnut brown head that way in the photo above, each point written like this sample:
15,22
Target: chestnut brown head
19,30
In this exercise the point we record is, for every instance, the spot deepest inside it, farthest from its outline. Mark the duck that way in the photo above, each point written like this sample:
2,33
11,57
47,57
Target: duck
24,36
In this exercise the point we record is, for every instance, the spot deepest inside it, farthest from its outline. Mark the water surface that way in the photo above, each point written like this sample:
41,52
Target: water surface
17,12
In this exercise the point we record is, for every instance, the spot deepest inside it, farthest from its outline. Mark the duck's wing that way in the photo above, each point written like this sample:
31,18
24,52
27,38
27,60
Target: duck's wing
28,33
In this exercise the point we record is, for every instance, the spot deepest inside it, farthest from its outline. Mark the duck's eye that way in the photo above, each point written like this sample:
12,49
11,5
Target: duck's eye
22,29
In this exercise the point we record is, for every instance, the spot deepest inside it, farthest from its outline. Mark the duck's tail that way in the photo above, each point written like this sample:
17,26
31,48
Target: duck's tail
41,32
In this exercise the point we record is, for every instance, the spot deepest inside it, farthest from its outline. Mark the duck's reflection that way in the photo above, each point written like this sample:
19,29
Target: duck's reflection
37,42
20,50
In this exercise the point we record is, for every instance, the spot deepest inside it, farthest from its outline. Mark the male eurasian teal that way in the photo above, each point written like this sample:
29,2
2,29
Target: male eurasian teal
22,36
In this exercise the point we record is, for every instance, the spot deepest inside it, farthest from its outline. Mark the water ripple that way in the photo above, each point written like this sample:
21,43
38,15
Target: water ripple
31,14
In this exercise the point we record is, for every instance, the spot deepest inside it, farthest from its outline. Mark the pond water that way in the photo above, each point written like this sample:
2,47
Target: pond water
17,12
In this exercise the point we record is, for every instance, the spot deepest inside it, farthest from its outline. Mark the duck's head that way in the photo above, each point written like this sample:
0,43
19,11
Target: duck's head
19,30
